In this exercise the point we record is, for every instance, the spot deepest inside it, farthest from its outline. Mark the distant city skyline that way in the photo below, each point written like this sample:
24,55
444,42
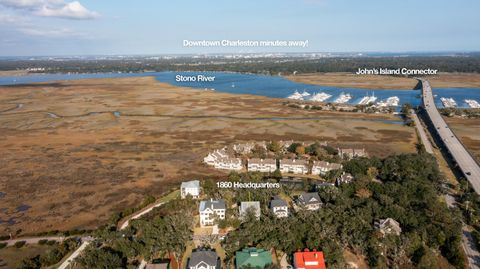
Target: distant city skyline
148,27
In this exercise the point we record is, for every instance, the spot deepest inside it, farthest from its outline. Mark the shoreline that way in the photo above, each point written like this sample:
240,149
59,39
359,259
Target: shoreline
385,82
329,79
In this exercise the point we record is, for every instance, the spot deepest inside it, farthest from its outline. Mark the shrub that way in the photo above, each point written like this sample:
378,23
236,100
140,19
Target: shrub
19,244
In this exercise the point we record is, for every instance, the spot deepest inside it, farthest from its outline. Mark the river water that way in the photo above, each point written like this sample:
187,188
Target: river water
271,86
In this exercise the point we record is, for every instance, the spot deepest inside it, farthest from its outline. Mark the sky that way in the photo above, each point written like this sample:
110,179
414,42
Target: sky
113,27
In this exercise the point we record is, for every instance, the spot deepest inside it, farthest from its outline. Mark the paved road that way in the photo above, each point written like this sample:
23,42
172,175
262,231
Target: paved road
465,161
421,132
75,254
34,240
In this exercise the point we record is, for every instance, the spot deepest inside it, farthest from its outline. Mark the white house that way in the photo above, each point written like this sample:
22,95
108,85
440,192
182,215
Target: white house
309,201
246,148
352,153
279,207
246,206
321,168
211,211
388,226
262,165
220,159
229,164
294,166
191,188
344,179
212,157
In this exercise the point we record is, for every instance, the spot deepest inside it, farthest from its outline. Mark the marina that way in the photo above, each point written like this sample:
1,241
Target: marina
296,96
266,85
343,98
448,102
472,103
366,100
320,97
389,102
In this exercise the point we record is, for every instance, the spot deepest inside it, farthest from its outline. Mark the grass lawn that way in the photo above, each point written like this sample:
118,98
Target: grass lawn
169,197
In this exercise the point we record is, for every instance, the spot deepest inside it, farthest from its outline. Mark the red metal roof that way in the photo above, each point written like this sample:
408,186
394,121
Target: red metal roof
309,260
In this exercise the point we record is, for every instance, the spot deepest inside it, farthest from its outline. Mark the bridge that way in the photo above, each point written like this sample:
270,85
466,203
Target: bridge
466,163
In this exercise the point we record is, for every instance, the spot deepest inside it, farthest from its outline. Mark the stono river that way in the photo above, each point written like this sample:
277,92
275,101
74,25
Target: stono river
263,85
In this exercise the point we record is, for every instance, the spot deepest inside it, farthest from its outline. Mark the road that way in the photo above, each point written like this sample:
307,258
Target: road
465,161
468,243
75,254
421,132
462,157
138,215
34,240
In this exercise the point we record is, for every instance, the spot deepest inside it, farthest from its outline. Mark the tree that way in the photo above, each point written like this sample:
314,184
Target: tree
274,146
101,258
277,174
406,108
372,172
300,150
293,147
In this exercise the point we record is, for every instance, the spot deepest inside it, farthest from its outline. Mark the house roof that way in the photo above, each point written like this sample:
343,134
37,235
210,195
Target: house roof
309,198
390,223
262,161
190,184
352,151
309,260
327,165
346,176
277,202
205,256
229,160
244,206
253,257
293,162
212,204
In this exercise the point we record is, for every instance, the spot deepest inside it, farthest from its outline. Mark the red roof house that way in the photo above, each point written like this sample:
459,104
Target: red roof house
307,259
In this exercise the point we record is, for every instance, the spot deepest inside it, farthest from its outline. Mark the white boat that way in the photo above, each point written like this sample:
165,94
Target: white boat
390,101
472,103
296,96
233,85
209,89
448,102
343,98
320,97
368,99
305,93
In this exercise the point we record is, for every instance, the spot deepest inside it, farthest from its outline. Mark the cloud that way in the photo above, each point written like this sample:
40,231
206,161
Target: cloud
73,10
52,8
63,32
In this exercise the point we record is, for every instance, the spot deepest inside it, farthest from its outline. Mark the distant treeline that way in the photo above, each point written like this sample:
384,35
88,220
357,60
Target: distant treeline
284,65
